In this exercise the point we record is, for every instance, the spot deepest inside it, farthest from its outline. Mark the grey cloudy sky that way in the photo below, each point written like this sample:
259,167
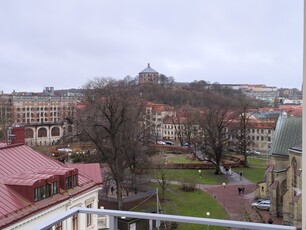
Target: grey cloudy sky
65,43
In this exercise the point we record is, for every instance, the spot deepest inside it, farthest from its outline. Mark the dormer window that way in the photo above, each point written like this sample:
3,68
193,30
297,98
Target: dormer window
54,188
45,191
41,192
71,181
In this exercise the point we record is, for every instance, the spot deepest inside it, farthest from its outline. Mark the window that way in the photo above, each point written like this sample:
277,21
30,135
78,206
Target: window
88,216
41,192
29,133
54,188
55,131
75,222
294,176
74,180
68,182
58,226
42,132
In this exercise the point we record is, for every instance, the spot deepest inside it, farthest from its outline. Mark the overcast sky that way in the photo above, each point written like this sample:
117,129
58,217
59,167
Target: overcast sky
65,43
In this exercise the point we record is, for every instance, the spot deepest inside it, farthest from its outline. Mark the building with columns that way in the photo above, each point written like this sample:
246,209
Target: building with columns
47,116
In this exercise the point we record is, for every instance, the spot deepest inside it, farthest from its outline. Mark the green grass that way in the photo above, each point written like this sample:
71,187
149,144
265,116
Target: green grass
256,170
257,162
181,159
196,203
252,174
207,176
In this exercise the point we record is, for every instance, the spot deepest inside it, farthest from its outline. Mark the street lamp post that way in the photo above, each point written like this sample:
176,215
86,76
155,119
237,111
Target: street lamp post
200,175
224,186
208,214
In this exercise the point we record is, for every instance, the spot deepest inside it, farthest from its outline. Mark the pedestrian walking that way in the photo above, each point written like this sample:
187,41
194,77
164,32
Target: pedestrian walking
242,189
270,221
239,190
240,174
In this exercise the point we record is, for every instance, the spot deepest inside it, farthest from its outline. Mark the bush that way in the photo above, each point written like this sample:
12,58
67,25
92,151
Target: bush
188,184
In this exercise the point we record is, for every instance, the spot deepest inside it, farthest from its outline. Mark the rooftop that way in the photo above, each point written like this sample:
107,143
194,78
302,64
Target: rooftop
21,167
288,134
149,70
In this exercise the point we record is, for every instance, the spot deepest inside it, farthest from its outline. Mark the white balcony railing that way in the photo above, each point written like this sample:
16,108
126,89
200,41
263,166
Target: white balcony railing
115,214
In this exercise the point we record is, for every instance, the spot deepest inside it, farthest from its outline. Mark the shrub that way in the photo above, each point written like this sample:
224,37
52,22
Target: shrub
188,184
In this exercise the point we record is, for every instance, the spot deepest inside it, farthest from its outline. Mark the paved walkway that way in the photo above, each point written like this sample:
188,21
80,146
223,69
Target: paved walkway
238,206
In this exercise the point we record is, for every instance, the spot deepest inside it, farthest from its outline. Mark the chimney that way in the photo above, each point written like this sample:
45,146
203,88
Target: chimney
16,135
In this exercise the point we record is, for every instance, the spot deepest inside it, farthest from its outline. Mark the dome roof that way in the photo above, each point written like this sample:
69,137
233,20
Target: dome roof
148,70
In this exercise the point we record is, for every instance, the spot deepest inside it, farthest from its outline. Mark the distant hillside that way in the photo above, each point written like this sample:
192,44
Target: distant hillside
194,97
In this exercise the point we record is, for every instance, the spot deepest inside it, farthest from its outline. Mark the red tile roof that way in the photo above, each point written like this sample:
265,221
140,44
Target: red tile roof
22,166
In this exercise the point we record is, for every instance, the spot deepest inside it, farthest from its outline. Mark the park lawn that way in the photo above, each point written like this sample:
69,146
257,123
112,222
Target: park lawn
252,174
196,204
181,159
257,162
205,176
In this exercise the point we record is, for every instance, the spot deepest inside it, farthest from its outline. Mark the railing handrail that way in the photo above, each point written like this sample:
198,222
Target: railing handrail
163,217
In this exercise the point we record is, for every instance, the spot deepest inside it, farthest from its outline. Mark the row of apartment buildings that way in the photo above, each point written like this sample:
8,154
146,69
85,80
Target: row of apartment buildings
46,116
164,125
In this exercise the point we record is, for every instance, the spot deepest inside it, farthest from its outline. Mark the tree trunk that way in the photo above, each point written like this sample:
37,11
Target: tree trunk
119,194
218,164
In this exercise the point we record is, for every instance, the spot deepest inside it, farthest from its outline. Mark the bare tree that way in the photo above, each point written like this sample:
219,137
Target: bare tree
163,176
214,124
5,116
110,118
240,129
186,125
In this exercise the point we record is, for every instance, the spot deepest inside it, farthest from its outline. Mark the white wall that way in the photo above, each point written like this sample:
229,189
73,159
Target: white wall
35,220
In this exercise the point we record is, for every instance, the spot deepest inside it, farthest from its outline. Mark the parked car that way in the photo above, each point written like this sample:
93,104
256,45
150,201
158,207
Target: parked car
169,142
253,152
232,149
160,143
262,204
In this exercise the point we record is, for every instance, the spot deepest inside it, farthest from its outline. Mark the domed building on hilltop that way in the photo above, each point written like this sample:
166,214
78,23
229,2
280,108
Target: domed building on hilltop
148,75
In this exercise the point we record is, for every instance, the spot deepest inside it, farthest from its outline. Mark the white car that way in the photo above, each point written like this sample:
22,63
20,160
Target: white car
263,204
160,143
253,152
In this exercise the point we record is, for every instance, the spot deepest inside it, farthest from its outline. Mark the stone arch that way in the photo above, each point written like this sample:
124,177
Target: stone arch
42,132
55,131
29,133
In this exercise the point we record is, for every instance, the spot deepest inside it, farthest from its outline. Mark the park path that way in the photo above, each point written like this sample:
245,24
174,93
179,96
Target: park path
237,205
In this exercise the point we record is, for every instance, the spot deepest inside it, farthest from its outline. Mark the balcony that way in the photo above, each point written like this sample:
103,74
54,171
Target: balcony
114,215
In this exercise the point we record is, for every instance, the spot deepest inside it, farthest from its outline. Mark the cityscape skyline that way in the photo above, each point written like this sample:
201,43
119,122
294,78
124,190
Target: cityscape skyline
65,44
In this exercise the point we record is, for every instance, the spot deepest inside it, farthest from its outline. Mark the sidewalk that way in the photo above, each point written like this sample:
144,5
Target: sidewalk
238,206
